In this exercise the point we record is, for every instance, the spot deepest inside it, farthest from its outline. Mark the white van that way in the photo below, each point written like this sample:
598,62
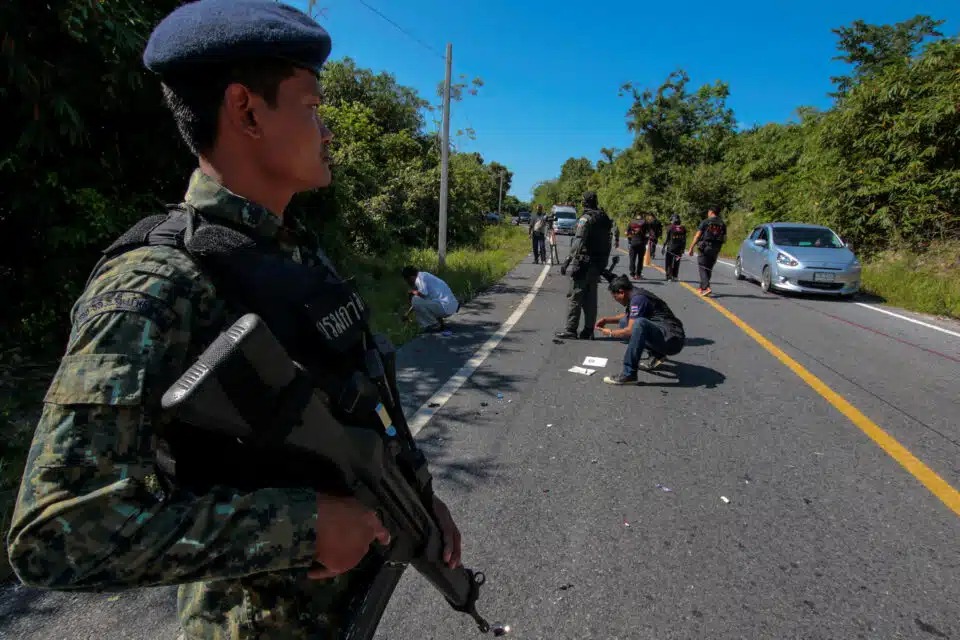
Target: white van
564,219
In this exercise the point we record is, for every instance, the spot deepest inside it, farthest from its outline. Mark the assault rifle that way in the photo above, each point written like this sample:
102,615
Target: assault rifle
608,273
247,362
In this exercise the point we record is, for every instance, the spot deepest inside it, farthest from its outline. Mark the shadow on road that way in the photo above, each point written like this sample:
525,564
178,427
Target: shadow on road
685,374
697,342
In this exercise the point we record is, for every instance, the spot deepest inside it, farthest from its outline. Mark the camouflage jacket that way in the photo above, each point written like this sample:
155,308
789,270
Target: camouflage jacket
91,512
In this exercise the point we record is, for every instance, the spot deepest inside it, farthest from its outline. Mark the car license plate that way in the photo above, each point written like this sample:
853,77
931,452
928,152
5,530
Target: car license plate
823,277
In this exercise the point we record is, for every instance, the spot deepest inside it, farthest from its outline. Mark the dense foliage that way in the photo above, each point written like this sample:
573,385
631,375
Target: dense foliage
881,166
88,148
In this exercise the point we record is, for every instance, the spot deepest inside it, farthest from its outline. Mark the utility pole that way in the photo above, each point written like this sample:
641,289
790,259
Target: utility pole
500,194
445,162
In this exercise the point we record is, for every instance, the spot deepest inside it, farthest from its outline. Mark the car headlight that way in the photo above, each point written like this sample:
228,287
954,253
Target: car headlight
784,259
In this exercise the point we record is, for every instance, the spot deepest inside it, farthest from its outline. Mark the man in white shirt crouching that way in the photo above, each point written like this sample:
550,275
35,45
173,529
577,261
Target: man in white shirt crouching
430,298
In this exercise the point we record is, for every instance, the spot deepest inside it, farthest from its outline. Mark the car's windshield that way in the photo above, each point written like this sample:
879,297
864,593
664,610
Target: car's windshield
806,237
565,215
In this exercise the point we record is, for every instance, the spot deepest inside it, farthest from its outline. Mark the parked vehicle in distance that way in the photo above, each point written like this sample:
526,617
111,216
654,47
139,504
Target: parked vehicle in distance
491,217
564,219
803,258
522,218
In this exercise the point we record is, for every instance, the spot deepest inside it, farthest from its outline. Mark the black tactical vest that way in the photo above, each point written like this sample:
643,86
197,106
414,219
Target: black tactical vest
597,241
319,318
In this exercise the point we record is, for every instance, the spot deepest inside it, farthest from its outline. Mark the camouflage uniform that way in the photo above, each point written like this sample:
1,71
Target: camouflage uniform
92,512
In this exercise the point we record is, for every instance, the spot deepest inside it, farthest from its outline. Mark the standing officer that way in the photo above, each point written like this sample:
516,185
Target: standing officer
588,255
673,246
710,236
637,236
116,493
538,233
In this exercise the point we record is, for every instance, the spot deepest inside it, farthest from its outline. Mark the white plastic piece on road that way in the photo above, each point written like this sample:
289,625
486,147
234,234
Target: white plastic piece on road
582,371
592,361
725,499
423,415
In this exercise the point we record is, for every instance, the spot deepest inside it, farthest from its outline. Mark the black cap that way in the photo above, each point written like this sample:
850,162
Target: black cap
225,31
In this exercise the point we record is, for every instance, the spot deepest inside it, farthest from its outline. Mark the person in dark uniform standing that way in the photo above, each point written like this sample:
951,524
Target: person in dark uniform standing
648,323
654,231
117,493
637,237
588,257
673,245
710,236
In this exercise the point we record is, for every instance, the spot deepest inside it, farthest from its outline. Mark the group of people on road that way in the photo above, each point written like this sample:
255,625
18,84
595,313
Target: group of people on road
648,324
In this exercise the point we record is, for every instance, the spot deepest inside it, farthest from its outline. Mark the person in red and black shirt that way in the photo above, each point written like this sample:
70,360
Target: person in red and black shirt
710,236
637,238
673,246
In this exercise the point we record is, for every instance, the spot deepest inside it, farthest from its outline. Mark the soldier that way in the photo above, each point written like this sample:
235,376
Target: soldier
116,494
588,255
637,237
673,246
710,236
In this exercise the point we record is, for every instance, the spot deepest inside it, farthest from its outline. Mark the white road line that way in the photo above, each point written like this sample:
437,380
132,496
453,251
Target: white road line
889,313
423,415
897,315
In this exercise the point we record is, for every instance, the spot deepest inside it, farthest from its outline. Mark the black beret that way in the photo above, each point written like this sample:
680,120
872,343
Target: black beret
212,31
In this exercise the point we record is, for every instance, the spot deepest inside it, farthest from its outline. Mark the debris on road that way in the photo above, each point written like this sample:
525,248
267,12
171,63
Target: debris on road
582,371
556,341
447,333
550,425
592,361
433,405
499,396
664,488
564,587
725,499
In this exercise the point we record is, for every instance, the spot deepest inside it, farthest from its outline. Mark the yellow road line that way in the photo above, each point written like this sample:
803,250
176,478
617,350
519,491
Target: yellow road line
927,476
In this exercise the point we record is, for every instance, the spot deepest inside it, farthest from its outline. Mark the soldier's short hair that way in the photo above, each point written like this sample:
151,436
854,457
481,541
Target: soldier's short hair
194,97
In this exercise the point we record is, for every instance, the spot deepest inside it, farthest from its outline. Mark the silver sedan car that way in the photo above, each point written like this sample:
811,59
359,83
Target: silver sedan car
803,258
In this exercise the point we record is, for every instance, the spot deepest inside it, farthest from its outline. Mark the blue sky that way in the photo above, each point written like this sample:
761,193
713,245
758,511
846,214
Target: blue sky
552,70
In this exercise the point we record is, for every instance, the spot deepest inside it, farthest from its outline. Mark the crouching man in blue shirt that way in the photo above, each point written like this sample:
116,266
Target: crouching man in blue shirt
649,324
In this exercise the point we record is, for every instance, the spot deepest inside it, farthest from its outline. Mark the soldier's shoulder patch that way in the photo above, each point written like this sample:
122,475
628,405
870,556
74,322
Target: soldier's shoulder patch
135,302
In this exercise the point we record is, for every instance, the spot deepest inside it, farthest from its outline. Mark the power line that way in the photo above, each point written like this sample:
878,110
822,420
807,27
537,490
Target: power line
404,31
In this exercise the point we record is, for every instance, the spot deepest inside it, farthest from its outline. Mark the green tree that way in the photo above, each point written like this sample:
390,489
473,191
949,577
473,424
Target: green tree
870,48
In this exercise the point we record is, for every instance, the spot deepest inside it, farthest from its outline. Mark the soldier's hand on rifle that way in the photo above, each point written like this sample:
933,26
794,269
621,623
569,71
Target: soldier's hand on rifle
345,530
451,535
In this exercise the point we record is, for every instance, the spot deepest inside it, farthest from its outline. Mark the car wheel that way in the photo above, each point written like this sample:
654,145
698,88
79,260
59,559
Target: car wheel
765,280
738,270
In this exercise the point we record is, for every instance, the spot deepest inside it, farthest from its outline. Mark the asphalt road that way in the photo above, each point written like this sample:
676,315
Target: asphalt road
724,497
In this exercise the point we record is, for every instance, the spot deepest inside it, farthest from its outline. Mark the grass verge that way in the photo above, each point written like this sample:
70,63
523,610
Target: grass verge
927,282
468,271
